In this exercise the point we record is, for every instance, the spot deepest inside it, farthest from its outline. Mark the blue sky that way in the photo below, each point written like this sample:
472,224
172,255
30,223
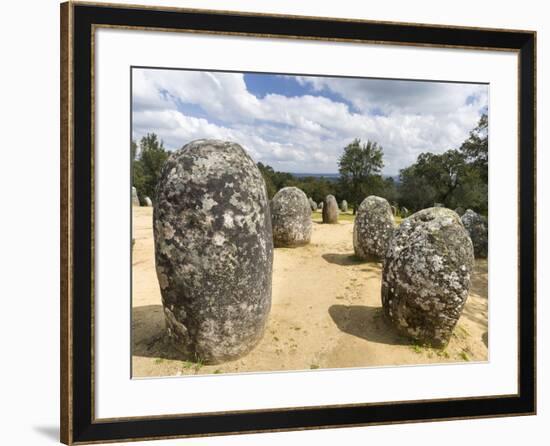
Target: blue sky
302,123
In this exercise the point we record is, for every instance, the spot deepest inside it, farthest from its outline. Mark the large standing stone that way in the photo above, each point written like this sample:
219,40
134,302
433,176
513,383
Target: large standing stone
135,199
476,225
426,275
290,217
213,250
330,210
147,201
373,228
344,206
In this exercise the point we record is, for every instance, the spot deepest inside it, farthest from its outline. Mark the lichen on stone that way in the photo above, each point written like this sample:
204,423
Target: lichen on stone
426,275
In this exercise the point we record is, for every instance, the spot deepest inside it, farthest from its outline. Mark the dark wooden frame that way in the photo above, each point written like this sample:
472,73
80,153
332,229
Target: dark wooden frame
78,424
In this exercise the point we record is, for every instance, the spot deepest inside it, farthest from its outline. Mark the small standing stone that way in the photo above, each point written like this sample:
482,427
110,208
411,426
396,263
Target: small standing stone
312,204
438,205
344,206
147,201
476,225
291,218
320,206
373,228
426,275
330,210
135,199
213,250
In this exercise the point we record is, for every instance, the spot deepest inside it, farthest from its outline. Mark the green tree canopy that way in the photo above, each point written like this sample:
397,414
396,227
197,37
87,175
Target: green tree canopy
358,166
455,178
148,159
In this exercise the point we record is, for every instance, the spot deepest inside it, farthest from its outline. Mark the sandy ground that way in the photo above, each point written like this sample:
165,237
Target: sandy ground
326,313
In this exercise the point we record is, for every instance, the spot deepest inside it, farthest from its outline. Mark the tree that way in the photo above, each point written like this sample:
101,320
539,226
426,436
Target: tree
357,166
149,158
476,147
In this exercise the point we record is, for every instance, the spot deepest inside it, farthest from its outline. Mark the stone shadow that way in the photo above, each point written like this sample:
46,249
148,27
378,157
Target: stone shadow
366,323
342,259
148,334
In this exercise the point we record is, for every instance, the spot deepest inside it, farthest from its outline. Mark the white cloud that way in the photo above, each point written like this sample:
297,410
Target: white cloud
306,133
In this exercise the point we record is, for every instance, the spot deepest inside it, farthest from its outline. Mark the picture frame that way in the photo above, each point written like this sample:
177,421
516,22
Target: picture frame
79,424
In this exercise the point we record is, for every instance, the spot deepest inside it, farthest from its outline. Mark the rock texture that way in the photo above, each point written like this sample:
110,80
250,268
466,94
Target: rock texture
426,275
330,210
373,228
291,218
344,206
476,225
213,250
147,201
135,199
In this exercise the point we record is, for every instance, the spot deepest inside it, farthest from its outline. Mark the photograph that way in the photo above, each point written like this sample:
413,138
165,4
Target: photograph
299,222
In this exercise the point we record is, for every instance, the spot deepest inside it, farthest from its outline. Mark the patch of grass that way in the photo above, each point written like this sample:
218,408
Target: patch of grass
464,355
314,366
275,338
217,372
416,348
443,354
346,216
158,361
187,364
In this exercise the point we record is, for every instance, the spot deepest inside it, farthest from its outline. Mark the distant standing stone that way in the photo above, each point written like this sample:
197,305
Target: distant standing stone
426,275
438,205
476,225
135,199
344,206
312,204
373,228
330,210
320,206
213,250
394,210
147,201
459,211
291,218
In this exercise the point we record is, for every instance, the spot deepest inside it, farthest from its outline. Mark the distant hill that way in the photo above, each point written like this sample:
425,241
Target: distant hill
332,176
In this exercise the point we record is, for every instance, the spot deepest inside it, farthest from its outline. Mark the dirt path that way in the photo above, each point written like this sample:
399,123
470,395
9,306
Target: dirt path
326,313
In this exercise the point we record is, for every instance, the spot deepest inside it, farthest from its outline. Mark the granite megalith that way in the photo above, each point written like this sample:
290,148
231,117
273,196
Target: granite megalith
344,206
147,201
312,204
476,225
426,275
291,218
373,228
213,250
330,210
135,199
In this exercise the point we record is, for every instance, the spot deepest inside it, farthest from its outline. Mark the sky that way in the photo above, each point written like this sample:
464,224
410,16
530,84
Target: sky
301,124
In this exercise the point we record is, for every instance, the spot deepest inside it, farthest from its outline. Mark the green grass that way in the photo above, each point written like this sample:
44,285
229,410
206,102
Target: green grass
313,366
